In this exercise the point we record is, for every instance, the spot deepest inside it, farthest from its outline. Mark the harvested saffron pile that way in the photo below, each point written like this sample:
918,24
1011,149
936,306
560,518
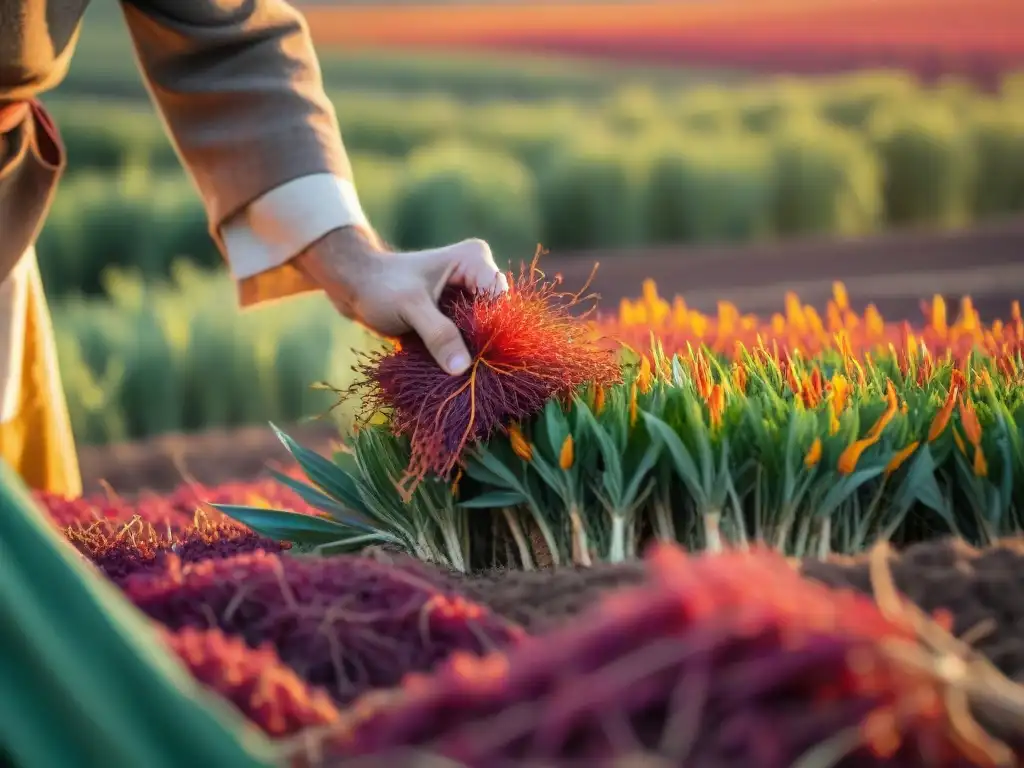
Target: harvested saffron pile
172,512
733,660
120,551
125,536
253,679
346,624
527,347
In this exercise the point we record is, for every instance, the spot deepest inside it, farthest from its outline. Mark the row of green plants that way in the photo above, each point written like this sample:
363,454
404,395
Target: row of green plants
894,456
848,157
107,134
159,358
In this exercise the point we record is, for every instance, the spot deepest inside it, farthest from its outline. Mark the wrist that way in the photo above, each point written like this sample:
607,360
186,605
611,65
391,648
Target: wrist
341,261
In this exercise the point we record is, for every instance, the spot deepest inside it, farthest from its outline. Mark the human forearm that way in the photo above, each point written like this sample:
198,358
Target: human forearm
241,93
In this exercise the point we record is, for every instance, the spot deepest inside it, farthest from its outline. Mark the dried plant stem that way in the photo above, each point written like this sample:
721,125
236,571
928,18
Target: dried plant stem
968,679
664,524
825,538
548,538
543,554
522,545
617,546
713,531
580,545
785,527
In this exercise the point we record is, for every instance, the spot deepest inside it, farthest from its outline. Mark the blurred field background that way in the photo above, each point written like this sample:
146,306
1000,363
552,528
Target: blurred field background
671,124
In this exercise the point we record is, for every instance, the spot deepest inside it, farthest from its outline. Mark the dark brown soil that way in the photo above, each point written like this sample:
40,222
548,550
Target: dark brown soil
541,600
974,586
894,271
212,457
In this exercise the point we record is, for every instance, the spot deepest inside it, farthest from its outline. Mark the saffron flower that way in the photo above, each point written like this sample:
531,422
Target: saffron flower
813,455
527,346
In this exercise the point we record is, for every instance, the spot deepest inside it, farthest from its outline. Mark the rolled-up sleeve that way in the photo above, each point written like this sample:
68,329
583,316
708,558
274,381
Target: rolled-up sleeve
261,239
239,88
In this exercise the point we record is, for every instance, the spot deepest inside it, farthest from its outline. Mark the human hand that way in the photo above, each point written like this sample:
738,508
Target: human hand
395,293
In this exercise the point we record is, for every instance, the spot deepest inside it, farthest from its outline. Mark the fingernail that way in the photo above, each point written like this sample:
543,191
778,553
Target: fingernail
458,363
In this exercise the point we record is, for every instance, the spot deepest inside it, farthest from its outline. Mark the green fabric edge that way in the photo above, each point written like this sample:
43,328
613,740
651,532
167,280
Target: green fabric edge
84,678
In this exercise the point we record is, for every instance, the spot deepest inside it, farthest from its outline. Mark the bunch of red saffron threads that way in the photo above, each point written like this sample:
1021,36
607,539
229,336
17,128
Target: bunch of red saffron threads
529,345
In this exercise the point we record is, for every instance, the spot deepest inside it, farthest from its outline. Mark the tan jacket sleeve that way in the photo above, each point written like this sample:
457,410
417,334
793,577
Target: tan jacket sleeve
239,87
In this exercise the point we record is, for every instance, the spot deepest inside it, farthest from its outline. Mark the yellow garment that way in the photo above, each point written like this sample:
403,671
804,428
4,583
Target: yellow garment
35,430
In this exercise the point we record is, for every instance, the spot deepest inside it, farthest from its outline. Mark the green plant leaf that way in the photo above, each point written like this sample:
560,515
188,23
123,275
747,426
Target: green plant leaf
346,461
920,485
790,458
557,427
585,448
553,478
325,474
612,476
478,471
643,469
279,525
720,490
1003,446
679,377
355,544
483,466
703,439
841,490
681,458
320,500
494,500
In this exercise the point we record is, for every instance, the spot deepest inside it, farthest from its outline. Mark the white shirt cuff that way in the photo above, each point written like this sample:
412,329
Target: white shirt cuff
273,229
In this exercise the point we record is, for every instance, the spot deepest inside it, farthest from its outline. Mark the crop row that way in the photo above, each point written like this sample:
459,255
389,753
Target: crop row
795,51
842,156
814,435
143,363
181,357
799,329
